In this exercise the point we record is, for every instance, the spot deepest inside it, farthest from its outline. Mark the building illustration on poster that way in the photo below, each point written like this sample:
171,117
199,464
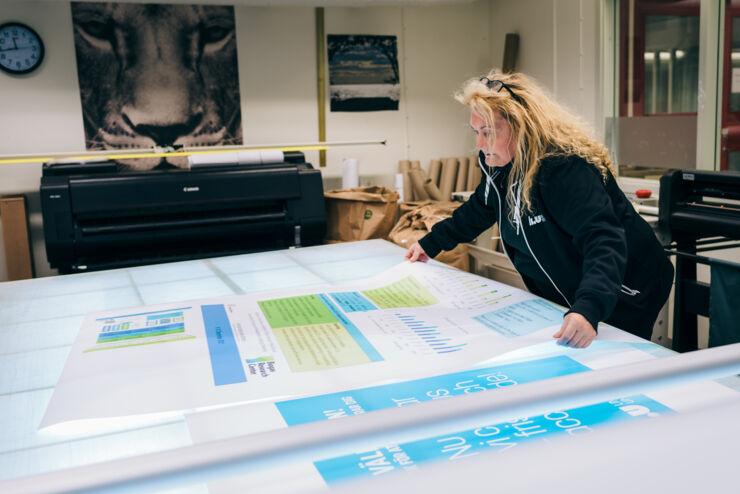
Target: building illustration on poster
363,73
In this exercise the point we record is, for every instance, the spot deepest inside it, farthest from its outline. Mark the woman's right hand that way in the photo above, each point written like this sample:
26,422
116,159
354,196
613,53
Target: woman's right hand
416,253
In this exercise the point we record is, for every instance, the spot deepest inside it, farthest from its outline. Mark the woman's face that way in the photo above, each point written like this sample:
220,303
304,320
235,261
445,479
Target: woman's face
500,152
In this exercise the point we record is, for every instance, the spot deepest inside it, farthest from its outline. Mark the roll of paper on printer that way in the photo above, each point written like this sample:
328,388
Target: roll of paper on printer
350,176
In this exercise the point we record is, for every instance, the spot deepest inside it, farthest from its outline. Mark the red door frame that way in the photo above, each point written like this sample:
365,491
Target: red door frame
643,8
728,118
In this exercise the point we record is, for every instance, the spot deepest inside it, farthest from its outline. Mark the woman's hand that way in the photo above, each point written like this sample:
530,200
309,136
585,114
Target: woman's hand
576,331
416,253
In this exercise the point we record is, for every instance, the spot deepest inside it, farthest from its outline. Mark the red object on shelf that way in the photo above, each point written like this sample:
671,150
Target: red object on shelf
643,193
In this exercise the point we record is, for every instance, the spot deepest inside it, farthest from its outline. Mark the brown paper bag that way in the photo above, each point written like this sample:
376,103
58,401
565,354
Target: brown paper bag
360,213
405,207
418,222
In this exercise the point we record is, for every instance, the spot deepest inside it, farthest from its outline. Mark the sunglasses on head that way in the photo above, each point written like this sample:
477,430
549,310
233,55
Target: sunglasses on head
496,85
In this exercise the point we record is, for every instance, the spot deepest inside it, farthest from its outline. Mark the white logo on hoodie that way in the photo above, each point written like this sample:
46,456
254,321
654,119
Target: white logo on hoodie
533,220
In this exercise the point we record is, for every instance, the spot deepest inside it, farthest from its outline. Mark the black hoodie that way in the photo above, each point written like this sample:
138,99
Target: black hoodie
584,235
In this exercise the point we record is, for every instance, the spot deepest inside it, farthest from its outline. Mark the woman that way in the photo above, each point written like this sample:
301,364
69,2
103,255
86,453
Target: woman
566,226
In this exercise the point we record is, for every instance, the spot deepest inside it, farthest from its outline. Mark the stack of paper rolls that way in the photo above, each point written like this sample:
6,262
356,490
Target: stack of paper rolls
435,167
448,179
432,189
462,174
418,179
403,168
443,177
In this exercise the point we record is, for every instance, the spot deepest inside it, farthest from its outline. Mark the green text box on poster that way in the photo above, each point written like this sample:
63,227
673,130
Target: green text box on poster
319,346
403,293
303,310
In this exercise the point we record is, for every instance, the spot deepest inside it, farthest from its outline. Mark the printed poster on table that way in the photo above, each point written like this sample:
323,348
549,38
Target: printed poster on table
413,321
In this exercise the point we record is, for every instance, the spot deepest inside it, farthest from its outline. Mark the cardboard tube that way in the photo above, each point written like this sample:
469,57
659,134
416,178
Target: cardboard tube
417,179
474,173
462,174
416,164
408,190
447,180
435,167
432,190
404,166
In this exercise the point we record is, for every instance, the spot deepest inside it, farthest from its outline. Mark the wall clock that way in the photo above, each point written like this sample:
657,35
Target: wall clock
21,48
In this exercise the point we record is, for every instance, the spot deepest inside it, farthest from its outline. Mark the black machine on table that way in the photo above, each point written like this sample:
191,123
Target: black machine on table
96,217
699,211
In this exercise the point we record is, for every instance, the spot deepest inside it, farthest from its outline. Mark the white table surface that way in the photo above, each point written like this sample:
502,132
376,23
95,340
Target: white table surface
39,320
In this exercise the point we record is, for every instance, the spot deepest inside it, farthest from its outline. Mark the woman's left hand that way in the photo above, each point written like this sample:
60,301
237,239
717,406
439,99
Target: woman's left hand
576,331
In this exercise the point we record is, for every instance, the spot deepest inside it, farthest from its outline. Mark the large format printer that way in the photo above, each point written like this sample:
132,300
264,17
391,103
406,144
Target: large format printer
96,217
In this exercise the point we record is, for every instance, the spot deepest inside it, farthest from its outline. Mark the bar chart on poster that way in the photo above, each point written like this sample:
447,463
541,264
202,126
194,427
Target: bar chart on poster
419,334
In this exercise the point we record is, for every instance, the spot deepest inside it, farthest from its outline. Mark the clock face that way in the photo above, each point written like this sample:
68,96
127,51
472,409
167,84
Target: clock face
21,49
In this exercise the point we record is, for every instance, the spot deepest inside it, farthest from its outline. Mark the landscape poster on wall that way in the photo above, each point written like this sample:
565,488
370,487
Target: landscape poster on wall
363,72
157,75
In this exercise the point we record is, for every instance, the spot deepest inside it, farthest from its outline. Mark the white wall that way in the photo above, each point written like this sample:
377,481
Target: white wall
439,47
40,112
560,45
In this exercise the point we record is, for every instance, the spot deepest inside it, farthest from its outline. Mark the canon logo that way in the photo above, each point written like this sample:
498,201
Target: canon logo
190,189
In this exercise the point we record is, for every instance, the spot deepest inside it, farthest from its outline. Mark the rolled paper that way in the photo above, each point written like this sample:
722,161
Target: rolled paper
399,187
462,174
350,174
404,166
195,160
474,173
418,177
416,164
272,156
249,157
408,190
435,167
447,181
432,190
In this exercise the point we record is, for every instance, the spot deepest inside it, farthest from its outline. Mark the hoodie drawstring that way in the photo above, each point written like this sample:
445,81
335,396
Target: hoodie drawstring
517,212
489,179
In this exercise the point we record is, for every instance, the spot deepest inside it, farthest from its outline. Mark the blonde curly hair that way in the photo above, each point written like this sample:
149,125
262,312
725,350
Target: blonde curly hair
540,127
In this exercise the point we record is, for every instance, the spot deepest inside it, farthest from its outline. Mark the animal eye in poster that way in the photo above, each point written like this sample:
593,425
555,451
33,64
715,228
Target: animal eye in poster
157,75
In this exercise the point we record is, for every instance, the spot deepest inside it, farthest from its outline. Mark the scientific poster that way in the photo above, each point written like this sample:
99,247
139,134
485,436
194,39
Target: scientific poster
413,321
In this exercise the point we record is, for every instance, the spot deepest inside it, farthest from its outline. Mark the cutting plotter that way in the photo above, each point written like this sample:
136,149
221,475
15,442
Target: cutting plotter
700,204
699,212
96,217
